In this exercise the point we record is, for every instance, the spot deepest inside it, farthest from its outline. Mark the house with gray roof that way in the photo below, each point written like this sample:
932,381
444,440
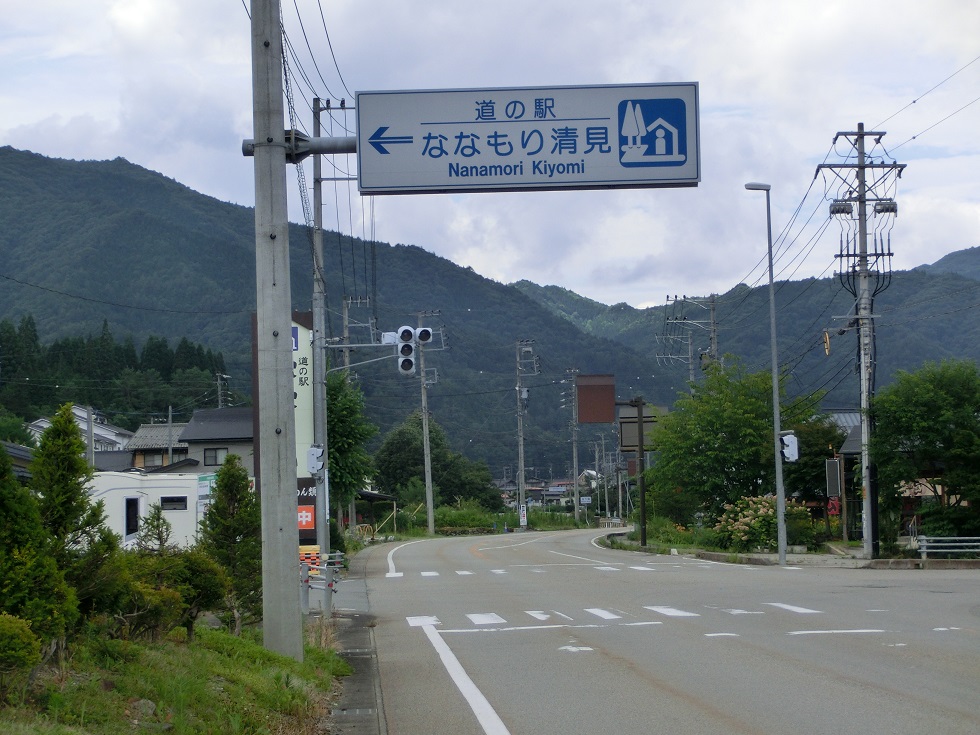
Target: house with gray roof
157,445
214,433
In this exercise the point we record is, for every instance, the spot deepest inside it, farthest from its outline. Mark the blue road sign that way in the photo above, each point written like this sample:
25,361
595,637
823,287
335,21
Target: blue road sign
597,137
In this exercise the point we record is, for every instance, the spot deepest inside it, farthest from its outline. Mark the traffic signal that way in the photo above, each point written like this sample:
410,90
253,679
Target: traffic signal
423,335
405,350
789,447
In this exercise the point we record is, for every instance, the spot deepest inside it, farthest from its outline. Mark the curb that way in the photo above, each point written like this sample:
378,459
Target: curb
359,709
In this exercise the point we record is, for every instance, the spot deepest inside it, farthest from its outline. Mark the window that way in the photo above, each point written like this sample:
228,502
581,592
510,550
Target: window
152,459
215,457
175,502
132,520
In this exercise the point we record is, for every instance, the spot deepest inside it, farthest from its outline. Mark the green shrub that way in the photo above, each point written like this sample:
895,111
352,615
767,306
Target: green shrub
750,523
20,651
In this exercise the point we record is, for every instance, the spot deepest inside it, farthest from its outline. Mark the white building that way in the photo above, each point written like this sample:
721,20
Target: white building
105,436
128,497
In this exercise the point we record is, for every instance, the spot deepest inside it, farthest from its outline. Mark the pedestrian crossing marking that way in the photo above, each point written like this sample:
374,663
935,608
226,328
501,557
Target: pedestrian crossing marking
793,608
462,572
604,614
417,621
430,574
672,612
485,618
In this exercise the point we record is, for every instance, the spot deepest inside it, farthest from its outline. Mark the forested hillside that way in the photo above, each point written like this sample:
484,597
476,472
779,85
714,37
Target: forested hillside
128,387
95,245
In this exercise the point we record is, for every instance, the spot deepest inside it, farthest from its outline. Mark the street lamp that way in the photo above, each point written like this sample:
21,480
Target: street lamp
777,445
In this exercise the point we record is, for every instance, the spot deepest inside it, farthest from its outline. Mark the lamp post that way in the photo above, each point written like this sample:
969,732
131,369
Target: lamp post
780,493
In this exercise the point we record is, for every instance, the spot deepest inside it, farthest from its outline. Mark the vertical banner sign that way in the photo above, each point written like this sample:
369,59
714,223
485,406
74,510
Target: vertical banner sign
545,138
303,394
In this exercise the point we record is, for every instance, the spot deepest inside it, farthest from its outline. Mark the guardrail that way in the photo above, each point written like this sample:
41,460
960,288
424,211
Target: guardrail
324,577
948,545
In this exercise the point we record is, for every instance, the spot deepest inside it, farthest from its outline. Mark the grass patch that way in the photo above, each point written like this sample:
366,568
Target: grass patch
217,684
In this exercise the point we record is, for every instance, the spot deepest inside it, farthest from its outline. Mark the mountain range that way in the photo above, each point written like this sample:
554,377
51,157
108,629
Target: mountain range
90,241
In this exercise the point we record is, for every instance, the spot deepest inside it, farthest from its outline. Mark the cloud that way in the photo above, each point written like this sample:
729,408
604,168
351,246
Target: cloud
167,84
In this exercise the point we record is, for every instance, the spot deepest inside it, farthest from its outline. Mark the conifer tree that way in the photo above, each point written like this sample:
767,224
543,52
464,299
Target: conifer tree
33,587
81,544
231,533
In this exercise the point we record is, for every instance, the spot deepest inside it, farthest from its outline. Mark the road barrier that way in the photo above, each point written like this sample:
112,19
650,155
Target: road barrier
324,577
948,545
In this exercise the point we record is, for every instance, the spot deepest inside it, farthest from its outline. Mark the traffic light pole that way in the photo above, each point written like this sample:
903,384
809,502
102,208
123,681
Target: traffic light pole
319,304
426,449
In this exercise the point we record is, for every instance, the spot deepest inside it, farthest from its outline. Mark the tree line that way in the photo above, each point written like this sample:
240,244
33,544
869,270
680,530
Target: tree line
127,385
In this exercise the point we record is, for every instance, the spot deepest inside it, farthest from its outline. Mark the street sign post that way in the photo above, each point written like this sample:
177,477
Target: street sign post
528,138
629,431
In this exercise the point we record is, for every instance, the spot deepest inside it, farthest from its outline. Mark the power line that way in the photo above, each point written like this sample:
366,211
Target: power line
932,89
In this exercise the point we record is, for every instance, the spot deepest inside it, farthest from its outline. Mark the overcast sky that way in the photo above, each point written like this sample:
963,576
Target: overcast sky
166,84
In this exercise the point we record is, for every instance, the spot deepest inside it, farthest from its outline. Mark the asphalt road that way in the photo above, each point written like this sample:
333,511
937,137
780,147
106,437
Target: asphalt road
550,633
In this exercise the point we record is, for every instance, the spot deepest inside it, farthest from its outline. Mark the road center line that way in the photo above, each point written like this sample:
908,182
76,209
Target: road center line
825,632
583,558
486,715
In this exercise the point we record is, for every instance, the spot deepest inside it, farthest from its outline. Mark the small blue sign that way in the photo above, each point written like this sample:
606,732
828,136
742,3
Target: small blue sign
652,132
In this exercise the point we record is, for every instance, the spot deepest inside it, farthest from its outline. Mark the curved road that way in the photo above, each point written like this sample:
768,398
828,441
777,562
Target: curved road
548,633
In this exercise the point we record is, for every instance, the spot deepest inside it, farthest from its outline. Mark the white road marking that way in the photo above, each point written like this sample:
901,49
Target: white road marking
462,572
722,635
793,608
642,569
499,571
735,611
604,614
831,632
574,649
485,618
538,614
672,611
417,621
582,558
536,539
486,715
430,574
608,569
391,558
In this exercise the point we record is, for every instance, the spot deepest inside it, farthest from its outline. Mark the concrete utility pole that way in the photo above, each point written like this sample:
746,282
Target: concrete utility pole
710,325
319,306
572,372
641,467
282,617
862,290
525,361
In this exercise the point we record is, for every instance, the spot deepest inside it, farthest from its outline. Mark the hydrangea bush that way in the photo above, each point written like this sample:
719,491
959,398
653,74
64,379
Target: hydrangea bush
750,524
